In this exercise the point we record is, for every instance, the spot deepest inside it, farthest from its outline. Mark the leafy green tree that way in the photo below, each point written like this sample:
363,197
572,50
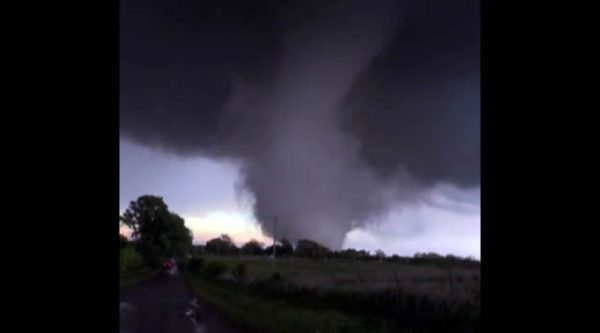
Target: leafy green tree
159,233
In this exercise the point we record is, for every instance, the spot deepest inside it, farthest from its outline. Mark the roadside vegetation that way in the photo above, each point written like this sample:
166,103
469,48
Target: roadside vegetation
316,289
132,268
157,234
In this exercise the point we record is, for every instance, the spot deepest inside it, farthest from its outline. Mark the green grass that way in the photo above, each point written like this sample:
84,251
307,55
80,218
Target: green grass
259,314
129,278
132,268
342,296
354,275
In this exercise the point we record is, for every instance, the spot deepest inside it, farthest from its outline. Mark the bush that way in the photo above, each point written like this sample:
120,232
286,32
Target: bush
130,259
215,268
195,265
239,271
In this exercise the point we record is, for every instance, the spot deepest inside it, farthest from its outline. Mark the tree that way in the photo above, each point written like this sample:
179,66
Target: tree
348,254
222,245
429,255
364,255
397,258
253,247
159,233
286,248
311,249
283,247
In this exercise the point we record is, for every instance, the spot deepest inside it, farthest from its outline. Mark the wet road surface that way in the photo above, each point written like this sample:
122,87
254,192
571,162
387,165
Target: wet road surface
163,304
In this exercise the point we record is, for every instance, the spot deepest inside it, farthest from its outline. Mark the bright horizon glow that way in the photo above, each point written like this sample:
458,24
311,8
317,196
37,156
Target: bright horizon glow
421,228
239,227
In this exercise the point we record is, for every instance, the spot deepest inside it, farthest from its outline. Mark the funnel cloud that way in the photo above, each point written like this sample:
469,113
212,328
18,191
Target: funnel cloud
334,111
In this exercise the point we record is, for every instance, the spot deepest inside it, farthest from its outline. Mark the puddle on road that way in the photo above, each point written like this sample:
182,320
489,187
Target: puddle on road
193,313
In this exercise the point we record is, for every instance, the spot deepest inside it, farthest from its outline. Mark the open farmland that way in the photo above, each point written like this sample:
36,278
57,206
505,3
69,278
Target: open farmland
452,283
373,296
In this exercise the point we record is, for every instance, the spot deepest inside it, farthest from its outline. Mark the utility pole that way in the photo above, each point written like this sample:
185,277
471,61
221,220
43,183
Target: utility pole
274,241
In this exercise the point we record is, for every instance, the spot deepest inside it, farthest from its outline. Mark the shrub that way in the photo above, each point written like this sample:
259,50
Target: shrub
130,259
239,271
215,268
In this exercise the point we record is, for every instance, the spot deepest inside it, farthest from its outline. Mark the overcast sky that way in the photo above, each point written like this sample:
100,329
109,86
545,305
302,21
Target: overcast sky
355,123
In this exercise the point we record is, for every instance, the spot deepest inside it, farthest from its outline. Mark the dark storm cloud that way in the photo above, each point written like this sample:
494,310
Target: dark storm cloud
323,103
417,105
178,61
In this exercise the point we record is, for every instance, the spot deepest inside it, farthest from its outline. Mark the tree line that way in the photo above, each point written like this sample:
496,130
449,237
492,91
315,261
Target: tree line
305,248
158,233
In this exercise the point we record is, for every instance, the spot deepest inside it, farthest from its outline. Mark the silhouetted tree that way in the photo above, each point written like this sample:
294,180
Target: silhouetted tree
311,249
364,255
252,247
284,248
158,232
347,254
223,245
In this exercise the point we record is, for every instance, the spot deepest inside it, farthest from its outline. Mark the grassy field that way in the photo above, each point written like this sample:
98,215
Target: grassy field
255,313
451,284
343,295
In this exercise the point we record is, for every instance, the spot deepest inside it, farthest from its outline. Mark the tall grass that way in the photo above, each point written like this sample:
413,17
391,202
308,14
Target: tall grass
346,275
377,297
